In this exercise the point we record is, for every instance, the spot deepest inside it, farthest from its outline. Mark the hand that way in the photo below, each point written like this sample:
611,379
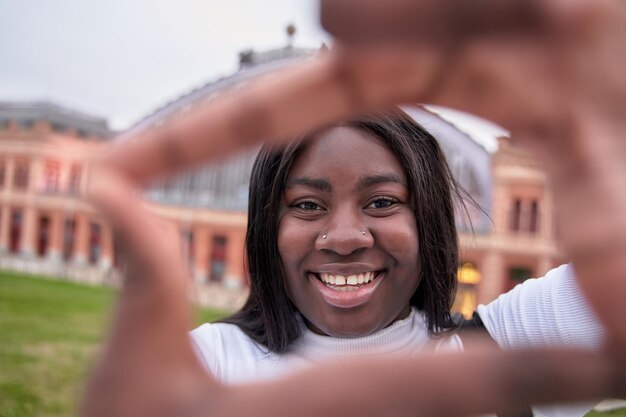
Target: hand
549,71
149,367
530,71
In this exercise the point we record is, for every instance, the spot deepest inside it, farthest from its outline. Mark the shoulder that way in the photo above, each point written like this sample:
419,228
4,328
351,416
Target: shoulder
548,311
222,345
219,338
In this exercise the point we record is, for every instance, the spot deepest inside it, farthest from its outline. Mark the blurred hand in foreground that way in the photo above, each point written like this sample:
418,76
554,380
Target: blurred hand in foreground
549,71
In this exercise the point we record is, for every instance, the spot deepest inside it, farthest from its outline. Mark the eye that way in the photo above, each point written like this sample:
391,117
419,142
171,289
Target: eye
381,203
307,206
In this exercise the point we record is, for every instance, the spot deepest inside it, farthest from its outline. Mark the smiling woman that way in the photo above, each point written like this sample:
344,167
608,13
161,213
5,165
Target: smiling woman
352,250
335,249
341,221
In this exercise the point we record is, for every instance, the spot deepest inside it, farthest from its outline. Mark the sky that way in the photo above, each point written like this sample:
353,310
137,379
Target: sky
122,59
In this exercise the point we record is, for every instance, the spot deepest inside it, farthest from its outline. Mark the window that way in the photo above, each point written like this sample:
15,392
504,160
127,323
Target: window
2,172
51,176
518,274
218,258
533,226
58,127
27,123
43,239
95,243
75,176
15,233
516,214
68,238
188,243
524,216
22,170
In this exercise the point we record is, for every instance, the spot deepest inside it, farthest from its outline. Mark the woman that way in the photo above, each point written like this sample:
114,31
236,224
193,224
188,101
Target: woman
351,234
335,239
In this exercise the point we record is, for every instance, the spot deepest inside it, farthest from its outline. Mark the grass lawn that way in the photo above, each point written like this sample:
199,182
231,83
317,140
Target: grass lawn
49,333
617,413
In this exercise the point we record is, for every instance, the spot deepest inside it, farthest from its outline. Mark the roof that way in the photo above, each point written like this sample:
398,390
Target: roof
27,112
252,64
225,185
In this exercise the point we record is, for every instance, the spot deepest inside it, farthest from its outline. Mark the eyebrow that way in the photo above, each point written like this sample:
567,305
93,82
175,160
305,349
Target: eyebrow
318,184
322,184
378,179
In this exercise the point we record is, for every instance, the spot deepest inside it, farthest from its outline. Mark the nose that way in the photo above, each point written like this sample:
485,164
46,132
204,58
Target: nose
344,233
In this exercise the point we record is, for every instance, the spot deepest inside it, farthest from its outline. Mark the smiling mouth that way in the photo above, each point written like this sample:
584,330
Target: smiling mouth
346,283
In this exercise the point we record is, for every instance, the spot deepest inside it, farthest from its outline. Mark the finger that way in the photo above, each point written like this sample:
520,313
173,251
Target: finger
501,382
280,107
276,107
149,365
373,21
587,175
328,89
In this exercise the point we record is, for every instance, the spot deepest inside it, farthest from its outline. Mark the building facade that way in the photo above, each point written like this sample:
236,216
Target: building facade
522,240
46,228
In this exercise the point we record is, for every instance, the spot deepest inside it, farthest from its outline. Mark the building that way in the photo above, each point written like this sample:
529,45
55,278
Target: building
45,228
522,241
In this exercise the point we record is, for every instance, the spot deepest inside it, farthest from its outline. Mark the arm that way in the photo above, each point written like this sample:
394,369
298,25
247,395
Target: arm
570,117
542,312
149,367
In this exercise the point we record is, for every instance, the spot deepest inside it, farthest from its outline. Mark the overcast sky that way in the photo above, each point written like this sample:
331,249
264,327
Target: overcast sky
121,59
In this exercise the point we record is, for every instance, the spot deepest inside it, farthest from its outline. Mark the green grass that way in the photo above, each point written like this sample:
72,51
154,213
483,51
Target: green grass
49,334
616,413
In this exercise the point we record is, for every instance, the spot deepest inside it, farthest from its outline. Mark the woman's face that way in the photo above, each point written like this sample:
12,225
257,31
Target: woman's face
347,235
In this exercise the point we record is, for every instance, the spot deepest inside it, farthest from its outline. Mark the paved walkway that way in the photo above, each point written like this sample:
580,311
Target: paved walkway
608,405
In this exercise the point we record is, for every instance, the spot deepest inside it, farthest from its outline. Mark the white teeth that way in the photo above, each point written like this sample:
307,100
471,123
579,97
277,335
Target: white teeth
344,281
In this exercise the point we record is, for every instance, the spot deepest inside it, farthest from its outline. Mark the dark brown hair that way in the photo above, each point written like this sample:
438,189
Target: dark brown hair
268,316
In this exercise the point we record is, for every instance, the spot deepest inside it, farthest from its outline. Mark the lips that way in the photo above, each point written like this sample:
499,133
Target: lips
347,290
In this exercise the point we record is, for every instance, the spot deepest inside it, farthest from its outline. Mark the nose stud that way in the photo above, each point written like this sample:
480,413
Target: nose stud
325,236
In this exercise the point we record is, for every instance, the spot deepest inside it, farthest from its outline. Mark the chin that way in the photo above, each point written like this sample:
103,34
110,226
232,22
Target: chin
346,329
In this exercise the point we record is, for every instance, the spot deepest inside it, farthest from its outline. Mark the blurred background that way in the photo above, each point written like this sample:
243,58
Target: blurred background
75,75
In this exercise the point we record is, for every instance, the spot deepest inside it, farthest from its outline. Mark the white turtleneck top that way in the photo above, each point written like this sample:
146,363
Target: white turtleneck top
549,311
233,358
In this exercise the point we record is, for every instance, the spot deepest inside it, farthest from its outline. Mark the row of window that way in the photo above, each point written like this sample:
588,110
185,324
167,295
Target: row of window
51,181
56,127
524,216
43,233
217,255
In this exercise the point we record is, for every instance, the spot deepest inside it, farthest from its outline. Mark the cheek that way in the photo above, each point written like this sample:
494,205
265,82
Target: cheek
292,243
401,240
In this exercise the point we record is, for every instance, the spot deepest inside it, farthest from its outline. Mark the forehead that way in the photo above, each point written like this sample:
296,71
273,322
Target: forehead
345,151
